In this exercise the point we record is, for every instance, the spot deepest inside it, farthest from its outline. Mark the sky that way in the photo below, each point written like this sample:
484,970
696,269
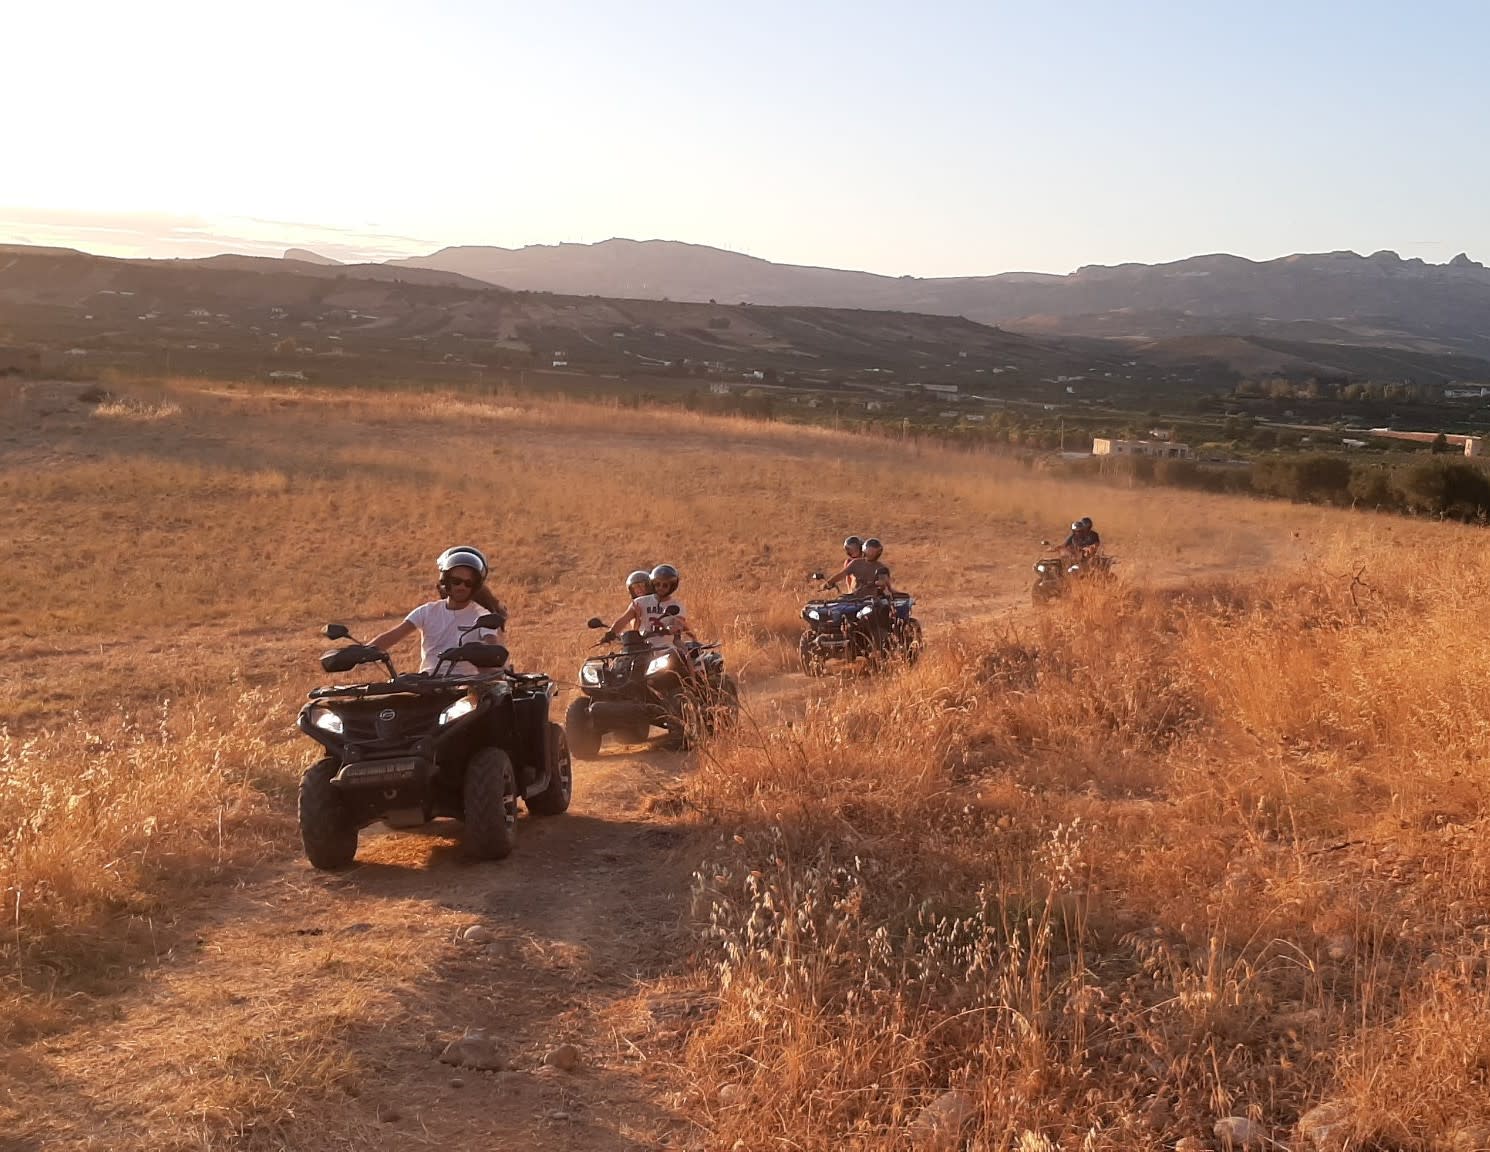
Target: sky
947,137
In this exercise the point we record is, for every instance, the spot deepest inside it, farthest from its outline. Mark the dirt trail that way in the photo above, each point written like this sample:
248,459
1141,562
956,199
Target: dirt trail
320,1001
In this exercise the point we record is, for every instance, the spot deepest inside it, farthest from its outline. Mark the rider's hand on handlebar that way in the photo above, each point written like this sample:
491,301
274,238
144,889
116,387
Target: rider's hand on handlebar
608,638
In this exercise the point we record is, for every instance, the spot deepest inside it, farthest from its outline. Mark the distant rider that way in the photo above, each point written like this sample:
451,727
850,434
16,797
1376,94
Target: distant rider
439,623
860,574
1083,543
648,613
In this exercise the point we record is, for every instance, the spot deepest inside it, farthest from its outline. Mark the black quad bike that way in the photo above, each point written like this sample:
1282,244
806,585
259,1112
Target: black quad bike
871,626
418,746
1054,575
636,687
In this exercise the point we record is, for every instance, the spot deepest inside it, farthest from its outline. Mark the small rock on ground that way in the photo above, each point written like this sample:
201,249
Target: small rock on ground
477,934
938,1126
474,1050
565,1057
1327,1126
1236,1132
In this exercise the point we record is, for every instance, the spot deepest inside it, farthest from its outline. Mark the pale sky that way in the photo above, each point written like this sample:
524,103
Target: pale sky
947,137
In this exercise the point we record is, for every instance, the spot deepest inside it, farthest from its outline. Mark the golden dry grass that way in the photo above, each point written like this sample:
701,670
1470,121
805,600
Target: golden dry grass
1208,845
1160,858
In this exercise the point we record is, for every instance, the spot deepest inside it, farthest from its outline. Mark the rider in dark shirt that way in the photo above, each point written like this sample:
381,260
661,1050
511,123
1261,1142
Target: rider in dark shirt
1083,540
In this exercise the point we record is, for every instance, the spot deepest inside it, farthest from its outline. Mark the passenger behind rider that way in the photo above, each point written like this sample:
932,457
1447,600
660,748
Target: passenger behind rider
860,574
1083,541
439,623
649,613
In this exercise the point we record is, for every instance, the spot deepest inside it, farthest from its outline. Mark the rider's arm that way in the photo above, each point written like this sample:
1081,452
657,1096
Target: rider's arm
628,615
399,631
833,580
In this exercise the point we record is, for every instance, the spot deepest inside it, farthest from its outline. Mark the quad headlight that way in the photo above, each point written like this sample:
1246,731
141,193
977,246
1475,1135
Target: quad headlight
1040,567
590,674
329,721
813,614
659,663
462,707
865,612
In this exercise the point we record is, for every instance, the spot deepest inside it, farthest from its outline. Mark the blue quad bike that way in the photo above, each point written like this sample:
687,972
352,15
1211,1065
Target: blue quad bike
872,629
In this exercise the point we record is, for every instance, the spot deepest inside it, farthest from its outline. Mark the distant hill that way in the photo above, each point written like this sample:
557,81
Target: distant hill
232,311
306,256
1379,299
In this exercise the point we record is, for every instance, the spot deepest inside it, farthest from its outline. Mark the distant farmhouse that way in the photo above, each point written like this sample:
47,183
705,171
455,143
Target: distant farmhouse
1159,449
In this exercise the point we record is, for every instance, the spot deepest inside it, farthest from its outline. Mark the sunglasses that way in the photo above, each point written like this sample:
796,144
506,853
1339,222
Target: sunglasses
459,582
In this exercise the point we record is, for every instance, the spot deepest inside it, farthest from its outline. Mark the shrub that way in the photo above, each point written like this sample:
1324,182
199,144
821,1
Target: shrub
1444,488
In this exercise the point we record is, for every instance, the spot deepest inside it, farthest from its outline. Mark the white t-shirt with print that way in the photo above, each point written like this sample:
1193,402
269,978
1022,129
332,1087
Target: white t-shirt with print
651,611
439,628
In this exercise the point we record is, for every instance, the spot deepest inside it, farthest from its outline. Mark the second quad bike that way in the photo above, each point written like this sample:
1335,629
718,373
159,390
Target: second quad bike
418,746
638,685
871,626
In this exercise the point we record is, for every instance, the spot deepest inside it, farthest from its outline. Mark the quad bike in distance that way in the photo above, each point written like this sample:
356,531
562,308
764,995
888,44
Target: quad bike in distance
871,626
1056,574
419,746
637,686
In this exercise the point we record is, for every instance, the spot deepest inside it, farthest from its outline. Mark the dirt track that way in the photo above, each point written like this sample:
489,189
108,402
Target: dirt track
301,985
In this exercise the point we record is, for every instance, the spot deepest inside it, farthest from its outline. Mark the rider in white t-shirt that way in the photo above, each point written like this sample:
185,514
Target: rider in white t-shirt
439,622
649,614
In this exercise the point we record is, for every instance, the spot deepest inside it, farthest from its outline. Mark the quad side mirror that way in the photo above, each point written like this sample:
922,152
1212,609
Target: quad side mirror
595,622
492,620
816,576
335,632
671,610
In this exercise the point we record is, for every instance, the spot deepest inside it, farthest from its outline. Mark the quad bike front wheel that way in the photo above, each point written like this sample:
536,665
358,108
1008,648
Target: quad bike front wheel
812,663
584,741
326,828
490,794
555,798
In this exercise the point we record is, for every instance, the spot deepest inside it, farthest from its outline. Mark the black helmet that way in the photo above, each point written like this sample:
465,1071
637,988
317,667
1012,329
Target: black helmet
1086,523
1077,526
666,572
853,544
873,542
462,556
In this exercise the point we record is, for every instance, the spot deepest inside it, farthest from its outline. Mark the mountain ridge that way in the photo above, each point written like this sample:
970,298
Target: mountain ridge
1381,298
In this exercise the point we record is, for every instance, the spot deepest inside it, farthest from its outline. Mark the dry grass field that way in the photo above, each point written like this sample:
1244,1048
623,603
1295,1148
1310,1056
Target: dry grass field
1207,845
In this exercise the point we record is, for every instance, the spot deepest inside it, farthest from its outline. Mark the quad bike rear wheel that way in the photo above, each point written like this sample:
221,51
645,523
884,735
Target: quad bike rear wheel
584,741
723,714
908,641
555,798
490,805
326,828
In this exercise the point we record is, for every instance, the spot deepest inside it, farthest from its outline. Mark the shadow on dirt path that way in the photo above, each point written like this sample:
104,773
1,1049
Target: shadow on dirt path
312,1011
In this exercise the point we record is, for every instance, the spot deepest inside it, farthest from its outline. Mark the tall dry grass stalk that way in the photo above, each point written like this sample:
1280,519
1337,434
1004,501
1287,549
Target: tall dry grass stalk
1159,858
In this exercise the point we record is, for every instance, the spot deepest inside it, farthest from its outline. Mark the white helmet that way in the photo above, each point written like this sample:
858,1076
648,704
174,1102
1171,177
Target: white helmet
462,556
